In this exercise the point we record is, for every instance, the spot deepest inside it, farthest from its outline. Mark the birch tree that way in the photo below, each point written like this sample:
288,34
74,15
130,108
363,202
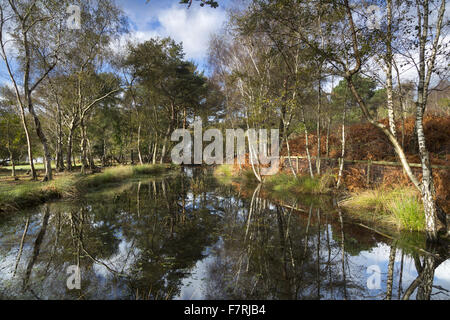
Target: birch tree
31,35
348,51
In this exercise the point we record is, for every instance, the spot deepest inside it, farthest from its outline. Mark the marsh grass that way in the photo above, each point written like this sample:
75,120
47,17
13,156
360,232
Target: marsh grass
409,213
247,177
198,186
224,173
228,174
150,169
280,184
30,193
224,170
399,206
286,183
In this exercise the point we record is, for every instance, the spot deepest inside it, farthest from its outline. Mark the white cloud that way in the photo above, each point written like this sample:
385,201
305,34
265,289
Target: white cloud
443,271
193,27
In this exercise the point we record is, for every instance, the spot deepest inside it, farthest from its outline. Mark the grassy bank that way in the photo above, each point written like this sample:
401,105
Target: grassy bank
225,173
287,183
30,193
400,207
229,174
279,183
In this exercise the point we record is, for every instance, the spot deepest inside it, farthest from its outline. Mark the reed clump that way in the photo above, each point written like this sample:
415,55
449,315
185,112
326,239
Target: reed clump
400,206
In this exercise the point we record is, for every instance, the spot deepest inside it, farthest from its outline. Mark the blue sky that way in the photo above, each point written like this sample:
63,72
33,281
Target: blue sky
192,27
168,18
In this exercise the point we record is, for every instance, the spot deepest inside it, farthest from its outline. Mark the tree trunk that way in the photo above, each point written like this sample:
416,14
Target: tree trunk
389,87
289,156
69,148
435,219
90,156
163,151
253,155
139,145
328,138
169,131
29,102
319,109
83,147
104,154
43,139
29,147
155,151
308,155
58,157
390,279
13,163
59,144
402,103
74,160
342,159
13,171
11,155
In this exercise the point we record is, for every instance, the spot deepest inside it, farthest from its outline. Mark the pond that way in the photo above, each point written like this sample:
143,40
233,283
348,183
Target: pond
186,236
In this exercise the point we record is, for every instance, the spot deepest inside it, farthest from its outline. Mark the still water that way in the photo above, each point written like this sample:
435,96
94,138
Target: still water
187,236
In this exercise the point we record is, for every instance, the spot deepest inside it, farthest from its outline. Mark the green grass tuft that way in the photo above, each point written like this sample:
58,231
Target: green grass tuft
409,213
224,170
399,206
286,183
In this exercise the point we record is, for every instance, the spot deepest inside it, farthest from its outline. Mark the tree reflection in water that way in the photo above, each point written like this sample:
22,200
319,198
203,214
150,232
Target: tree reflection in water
165,237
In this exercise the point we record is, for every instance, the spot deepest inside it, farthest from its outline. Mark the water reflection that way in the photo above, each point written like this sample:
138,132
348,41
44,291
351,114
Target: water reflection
187,237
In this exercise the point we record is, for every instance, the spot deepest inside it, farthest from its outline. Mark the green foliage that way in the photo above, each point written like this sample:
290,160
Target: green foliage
342,96
165,90
377,103
12,136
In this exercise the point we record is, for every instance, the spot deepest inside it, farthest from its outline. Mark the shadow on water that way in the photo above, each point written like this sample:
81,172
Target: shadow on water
189,237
